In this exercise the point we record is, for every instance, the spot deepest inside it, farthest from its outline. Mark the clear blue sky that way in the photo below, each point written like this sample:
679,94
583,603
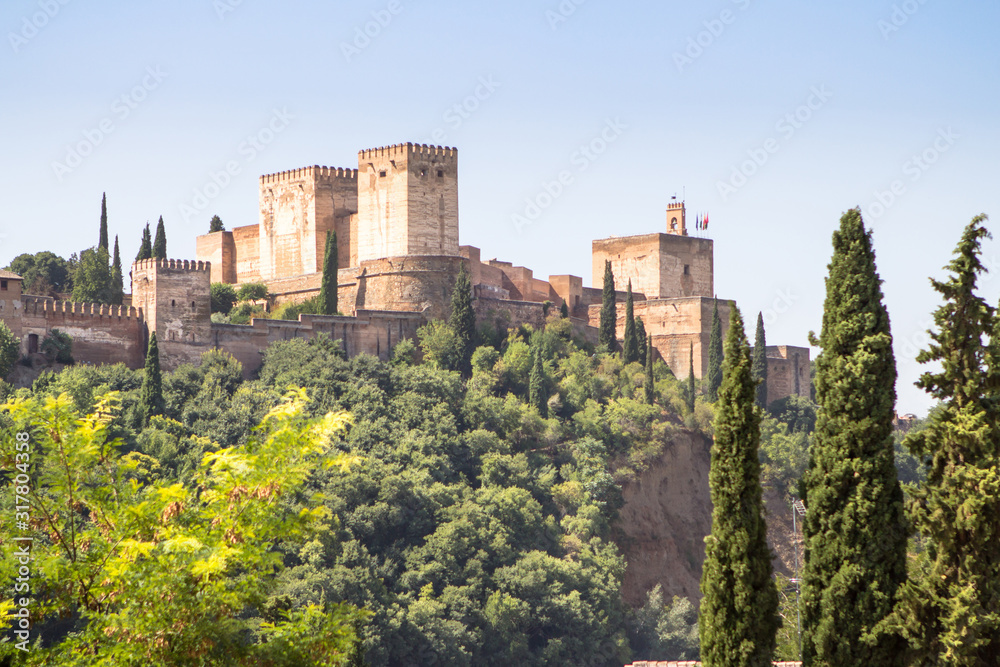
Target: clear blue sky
895,80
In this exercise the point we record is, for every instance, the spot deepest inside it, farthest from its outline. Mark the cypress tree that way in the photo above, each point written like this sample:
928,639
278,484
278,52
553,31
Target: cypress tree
608,331
760,362
215,225
151,395
160,244
564,310
648,385
715,356
145,246
102,241
329,282
738,620
536,384
117,279
854,531
463,320
630,347
950,611
640,335
690,381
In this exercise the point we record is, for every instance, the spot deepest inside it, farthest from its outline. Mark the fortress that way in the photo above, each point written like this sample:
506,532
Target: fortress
396,220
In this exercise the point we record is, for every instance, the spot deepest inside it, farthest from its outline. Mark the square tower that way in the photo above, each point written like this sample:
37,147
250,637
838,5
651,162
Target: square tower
175,299
407,201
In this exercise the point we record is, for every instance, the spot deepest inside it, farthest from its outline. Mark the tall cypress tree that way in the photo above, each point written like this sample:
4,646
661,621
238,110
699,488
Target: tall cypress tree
648,384
738,620
160,244
463,320
640,335
630,345
854,529
102,241
608,331
564,310
715,356
536,384
950,612
151,394
690,381
759,369
145,246
329,281
117,279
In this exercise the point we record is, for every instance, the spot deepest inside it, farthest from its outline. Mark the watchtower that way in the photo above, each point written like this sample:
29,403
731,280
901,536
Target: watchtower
175,299
407,201
677,218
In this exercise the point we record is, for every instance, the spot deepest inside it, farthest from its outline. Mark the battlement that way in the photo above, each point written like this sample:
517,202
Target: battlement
314,172
176,264
405,150
675,205
46,306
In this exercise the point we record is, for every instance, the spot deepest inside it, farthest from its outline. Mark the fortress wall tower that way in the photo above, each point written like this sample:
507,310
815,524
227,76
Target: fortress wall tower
175,300
298,209
407,201
10,302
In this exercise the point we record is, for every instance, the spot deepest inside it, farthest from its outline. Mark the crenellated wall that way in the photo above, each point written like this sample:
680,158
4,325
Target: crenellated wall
419,283
101,334
175,298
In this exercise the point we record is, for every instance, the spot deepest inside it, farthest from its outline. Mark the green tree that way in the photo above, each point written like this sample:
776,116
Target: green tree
691,390
648,384
715,356
252,292
640,335
608,332
738,621
564,310
950,609
160,244
151,398
330,281
44,273
145,246
215,225
462,320
117,279
92,282
760,363
536,384
10,349
102,241
223,297
854,531
630,345
57,346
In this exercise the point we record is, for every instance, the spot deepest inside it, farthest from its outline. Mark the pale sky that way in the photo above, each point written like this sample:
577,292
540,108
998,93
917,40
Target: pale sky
773,117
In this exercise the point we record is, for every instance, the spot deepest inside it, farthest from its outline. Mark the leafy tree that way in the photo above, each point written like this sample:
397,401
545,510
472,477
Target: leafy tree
151,401
715,356
691,391
630,345
330,281
950,609
215,225
462,320
160,244
760,362
658,630
102,241
648,384
223,297
608,332
440,345
92,282
57,346
564,310
117,279
854,530
44,273
640,335
738,620
145,246
252,292
10,349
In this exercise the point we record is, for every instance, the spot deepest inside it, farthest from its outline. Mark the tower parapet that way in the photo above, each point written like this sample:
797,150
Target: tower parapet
314,172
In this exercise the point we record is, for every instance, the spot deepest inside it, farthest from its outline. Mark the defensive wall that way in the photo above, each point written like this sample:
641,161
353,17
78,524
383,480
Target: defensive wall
102,334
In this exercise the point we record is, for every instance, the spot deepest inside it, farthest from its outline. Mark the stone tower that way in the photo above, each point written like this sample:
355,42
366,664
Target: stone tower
676,218
407,202
175,299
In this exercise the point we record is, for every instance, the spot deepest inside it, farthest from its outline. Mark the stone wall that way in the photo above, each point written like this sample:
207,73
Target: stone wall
659,265
787,372
11,302
174,296
246,241
219,250
101,334
414,283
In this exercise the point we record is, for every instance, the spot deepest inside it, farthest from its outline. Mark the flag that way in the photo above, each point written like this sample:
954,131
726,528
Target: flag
704,223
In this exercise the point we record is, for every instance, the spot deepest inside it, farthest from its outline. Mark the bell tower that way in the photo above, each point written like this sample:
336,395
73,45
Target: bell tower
676,218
